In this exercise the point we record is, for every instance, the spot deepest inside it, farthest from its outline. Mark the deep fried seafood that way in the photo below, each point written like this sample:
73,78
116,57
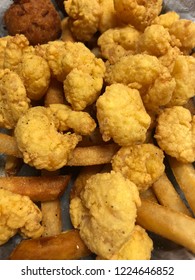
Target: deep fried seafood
108,18
105,212
35,74
122,105
141,164
37,20
39,141
166,19
175,133
84,17
138,247
117,42
65,118
183,34
3,43
138,13
155,40
146,73
18,213
13,99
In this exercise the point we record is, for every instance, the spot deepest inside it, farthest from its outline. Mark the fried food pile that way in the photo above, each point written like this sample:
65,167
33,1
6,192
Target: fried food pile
112,96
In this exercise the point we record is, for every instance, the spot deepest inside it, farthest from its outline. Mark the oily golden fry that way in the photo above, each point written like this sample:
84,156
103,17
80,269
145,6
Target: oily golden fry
8,146
167,223
185,176
79,183
93,155
40,188
167,195
51,217
149,194
54,94
64,246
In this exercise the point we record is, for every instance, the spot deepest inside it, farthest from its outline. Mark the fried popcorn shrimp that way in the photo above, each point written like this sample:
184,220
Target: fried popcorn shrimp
184,74
65,118
138,247
142,164
139,13
117,42
42,146
122,105
169,58
183,35
105,212
84,18
18,214
37,20
175,133
13,99
3,44
35,74
166,19
146,73
155,40
14,50
108,18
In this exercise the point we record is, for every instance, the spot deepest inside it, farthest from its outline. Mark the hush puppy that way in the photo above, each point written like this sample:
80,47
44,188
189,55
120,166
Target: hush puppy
37,20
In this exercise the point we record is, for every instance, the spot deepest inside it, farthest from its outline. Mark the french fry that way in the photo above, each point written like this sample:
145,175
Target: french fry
93,155
8,146
83,176
12,165
168,196
185,176
38,188
51,217
64,246
149,194
167,223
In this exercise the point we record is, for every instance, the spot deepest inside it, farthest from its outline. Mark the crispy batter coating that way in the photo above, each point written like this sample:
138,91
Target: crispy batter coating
117,42
105,213
142,164
65,118
13,99
18,214
122,116
138,247
175,133
184,74
35,74
146,73
108,18
37,20
139,13
84,18
166,19
42,146
155,40
183,34
3,44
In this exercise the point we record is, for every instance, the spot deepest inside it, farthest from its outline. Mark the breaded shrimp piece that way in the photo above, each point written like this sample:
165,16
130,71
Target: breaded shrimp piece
13,99
14,50
146,73
175,133
18,214
42,146
117,42
138,13
108,18
182,32
105,212
84,16
35,74
184,74
155,40
121,115
65,118
3,44
142,164
138,247
166,19
169,58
